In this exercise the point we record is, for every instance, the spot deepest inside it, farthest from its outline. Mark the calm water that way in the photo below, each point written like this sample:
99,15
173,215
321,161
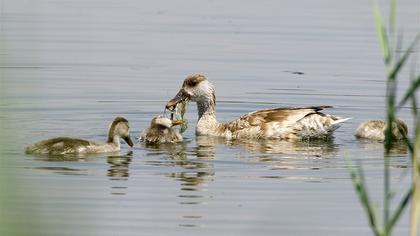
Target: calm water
69,67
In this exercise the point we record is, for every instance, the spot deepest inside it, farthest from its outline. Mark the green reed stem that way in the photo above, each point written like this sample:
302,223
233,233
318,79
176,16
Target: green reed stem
393,64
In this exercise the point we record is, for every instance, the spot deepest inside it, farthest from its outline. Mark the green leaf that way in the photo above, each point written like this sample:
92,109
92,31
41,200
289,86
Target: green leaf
392,17
381,32
403,204
410,92
358,180
403,59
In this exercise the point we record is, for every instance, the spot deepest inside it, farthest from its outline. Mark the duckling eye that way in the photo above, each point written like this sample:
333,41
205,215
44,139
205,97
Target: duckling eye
192,83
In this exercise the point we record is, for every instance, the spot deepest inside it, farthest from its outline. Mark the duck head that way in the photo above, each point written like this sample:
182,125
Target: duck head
195,88
120,128
161,122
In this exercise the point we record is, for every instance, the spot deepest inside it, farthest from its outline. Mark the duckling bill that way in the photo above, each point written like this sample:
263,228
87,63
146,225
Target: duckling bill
119,128
161,131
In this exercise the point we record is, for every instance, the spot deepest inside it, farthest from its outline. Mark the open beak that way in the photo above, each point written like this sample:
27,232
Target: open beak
179,97
177,122
128,141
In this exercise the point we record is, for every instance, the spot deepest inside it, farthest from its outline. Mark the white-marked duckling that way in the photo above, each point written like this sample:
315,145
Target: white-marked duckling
375,129
161,131
277,123
119,128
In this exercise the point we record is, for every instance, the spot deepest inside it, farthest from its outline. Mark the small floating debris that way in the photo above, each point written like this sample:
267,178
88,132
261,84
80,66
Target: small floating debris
294,72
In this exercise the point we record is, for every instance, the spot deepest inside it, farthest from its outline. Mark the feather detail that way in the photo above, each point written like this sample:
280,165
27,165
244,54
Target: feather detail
276,123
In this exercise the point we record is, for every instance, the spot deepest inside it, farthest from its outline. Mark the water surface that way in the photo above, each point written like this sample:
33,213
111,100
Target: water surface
69,67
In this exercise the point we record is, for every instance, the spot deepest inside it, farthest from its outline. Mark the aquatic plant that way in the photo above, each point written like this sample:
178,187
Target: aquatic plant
390,44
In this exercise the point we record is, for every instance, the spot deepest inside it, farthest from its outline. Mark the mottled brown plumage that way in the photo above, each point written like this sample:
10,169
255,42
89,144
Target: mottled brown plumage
375,130
161,131
276,123
119,128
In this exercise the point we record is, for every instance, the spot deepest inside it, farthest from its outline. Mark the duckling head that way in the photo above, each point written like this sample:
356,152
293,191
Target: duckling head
195,88
162,122
399,129
120,128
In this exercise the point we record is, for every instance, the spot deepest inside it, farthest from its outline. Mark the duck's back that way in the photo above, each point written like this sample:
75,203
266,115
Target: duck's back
60,145
156,135
375,129
285,123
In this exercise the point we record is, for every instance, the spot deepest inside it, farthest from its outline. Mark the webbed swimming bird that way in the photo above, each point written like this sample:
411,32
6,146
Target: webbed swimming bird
375,130
277,123
119,128
161,131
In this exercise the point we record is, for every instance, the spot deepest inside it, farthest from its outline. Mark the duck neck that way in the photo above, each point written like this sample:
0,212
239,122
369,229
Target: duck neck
115,141
207,122
113,138
206,108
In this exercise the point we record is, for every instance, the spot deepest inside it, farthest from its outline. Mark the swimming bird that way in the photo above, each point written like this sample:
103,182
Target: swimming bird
161,131
375,130
119,128
277,123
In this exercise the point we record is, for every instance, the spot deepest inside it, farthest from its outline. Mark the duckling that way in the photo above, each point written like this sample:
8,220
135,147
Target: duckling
161,131
291,123
119,128
375,129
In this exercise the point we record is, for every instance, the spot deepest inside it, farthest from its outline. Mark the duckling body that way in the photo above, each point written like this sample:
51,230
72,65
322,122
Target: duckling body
276,123
375,130
64,145
161,131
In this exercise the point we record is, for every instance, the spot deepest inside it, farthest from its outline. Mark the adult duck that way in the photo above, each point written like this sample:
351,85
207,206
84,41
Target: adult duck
161,131
277,123
119,128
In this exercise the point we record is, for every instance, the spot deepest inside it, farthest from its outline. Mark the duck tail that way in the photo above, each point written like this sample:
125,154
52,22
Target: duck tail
336,123
340,120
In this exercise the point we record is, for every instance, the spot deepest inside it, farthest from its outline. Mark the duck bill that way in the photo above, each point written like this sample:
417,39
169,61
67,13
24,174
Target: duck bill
181,96
177,122
128,141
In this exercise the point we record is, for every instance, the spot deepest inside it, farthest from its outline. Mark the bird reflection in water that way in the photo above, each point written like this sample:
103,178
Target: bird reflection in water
374,149
280,154
397,147
196,166
314,147
118,172
195,171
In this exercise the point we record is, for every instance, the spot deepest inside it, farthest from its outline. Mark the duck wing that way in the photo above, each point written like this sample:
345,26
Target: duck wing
284,116
60,145
282,122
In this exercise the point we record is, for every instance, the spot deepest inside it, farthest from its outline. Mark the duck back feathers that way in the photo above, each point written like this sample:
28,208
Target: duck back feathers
60,145
283,123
